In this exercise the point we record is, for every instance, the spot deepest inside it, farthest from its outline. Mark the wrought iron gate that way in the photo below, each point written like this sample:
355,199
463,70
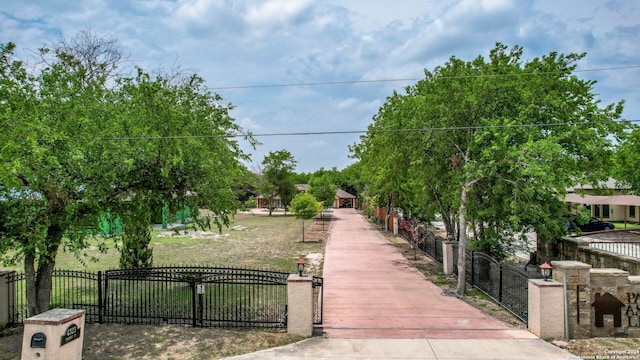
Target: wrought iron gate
197,296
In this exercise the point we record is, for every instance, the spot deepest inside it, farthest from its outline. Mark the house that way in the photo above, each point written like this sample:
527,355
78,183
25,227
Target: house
342,199
617,206
263,201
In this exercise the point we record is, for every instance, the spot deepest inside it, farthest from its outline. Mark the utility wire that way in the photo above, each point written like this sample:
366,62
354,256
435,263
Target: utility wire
347,82
343,132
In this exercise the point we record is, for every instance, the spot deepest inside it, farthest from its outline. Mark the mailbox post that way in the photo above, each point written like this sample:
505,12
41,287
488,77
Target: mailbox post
52,335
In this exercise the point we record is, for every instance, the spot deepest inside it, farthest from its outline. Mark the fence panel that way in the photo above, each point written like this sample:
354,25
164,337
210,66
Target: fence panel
147,296
18,310
197,296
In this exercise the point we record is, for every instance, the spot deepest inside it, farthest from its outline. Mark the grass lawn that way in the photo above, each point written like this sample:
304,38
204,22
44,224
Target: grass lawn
252,241
272,243
621,225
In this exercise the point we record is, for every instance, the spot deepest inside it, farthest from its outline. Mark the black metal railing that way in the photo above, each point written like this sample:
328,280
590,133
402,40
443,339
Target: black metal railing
505,283
197,296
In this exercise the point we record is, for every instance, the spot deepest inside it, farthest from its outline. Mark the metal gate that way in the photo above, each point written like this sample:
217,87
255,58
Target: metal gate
197,296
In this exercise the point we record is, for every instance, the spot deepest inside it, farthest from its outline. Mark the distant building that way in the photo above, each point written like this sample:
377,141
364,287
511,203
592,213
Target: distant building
342,200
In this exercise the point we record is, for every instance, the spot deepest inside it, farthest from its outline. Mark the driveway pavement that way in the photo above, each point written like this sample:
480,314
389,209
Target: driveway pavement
378,306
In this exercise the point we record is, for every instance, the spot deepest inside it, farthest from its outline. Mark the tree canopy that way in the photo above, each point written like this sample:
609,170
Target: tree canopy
81,140
278,177
305,206
490,144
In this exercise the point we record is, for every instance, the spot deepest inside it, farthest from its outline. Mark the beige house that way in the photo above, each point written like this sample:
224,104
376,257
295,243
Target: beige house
615,206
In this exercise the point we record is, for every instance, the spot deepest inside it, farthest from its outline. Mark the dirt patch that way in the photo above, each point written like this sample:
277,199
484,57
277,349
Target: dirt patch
111,341
315,261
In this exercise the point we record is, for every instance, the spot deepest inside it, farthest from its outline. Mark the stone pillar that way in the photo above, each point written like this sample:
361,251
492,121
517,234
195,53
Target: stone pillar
576,277
7,297
546,309
54,334
395,225
300,305
447,257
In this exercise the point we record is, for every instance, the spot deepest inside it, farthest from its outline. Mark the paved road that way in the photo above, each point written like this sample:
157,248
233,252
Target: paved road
377,306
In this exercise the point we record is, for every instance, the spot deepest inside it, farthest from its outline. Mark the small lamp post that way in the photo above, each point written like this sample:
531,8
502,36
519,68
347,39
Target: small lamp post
545,269
300,264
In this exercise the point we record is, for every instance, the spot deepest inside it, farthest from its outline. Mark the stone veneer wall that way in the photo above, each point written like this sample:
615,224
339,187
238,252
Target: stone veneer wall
600,302
577,249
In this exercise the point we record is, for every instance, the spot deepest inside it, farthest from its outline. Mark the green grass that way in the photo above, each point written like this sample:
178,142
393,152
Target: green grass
272,243
621,225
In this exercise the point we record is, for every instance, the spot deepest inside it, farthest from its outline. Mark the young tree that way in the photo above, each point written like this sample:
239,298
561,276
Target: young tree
304,206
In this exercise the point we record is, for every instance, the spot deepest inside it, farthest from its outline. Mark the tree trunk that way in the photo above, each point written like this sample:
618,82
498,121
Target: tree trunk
30,280
302,229
39,283
44,281
462,243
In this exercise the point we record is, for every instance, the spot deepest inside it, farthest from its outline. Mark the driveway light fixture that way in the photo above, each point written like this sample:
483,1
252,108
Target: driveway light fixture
300,263
545,269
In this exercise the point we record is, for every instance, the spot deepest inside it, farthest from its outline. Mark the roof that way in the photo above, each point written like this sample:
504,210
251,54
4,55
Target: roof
611,184
344,195
339,192
629,200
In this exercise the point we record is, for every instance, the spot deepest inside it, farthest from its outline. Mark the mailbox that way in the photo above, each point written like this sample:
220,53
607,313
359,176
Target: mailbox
53,334
38,340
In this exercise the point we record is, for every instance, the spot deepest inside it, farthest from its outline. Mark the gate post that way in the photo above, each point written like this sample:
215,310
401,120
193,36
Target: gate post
7,296
576,279
300,305
447,257
545,316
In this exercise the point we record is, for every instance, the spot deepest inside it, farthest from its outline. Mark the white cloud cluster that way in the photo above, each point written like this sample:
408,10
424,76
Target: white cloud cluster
266,42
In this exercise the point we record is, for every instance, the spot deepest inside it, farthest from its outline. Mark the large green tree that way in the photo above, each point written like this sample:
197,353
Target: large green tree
278,177
495,143
323,188
80,141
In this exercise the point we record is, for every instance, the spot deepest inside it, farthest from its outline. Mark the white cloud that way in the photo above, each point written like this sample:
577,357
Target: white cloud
275,11
266,42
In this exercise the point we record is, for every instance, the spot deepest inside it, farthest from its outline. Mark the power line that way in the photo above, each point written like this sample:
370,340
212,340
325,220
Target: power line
346,132
348,82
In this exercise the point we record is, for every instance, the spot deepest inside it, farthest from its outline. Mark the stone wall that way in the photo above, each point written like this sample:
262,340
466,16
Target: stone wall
577,249
601,302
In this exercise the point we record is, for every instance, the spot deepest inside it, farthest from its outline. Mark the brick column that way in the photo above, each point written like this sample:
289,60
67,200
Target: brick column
447,257
577,278
546,309
300,305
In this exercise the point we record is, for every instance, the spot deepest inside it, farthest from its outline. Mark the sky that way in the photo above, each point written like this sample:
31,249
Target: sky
263,56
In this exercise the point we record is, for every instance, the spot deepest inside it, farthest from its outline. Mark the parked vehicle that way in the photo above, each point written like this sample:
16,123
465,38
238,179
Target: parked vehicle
592,225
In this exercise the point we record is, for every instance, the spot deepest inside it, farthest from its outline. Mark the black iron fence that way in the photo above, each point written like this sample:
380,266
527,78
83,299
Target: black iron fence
196,296
506,284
